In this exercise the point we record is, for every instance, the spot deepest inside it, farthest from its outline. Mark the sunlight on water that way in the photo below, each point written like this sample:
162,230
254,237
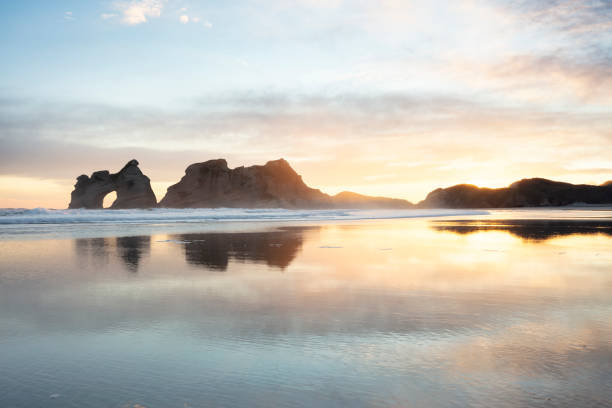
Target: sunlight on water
379,313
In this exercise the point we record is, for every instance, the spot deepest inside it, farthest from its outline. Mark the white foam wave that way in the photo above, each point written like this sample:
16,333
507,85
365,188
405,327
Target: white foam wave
14,216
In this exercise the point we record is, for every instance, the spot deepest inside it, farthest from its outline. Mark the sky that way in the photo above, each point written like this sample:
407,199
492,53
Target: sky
388,97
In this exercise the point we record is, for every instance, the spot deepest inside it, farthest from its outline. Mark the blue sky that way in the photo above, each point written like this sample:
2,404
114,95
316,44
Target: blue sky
387,97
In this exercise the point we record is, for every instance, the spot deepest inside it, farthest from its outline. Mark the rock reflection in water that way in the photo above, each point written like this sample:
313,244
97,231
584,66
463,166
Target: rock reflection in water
131,250
210,250
94,250
528,230
214,250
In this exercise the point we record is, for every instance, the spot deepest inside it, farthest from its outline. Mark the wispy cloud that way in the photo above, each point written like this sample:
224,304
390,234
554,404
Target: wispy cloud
139,11
538,78
586,79
68,16
584,16
186,19
107,16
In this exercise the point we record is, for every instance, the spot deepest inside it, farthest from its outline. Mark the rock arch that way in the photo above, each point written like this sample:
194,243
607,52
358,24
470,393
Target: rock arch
132,187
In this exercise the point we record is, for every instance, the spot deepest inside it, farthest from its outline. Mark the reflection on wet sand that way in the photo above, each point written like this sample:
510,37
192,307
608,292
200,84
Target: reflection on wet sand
131,250
95,249
214,250
210,250
529,230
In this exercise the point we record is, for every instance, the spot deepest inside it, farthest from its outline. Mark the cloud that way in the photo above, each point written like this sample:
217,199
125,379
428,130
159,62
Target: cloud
347,118
578,17
587,79
186,19
138,11
537,78
107,16
68,16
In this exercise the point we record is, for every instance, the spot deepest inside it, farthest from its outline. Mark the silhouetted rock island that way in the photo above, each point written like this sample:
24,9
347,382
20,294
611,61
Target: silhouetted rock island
535,192
214,184
275,184
132,187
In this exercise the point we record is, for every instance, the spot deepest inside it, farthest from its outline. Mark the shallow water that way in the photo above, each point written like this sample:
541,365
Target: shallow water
477,311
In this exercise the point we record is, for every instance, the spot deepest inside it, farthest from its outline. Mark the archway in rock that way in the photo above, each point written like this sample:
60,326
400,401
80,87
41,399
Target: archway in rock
128,188
109,199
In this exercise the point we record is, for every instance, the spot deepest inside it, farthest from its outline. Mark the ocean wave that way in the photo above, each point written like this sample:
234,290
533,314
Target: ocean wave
167,215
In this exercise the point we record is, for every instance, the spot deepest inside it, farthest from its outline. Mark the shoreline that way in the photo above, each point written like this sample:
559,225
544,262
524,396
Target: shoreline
246,220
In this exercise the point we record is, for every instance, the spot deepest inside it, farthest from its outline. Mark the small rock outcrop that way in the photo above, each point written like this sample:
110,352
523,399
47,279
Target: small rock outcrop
132,187
214,184
535,192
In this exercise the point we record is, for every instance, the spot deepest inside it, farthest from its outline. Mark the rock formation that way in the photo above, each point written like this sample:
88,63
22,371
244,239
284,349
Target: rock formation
133,189
535,192
348,199
273,185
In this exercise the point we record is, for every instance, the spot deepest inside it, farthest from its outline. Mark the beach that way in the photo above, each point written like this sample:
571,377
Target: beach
277,308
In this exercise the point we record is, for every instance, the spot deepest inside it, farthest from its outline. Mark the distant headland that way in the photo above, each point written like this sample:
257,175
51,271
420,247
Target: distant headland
276,184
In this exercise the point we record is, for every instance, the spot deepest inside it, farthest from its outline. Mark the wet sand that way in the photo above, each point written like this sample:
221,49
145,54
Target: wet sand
481,311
